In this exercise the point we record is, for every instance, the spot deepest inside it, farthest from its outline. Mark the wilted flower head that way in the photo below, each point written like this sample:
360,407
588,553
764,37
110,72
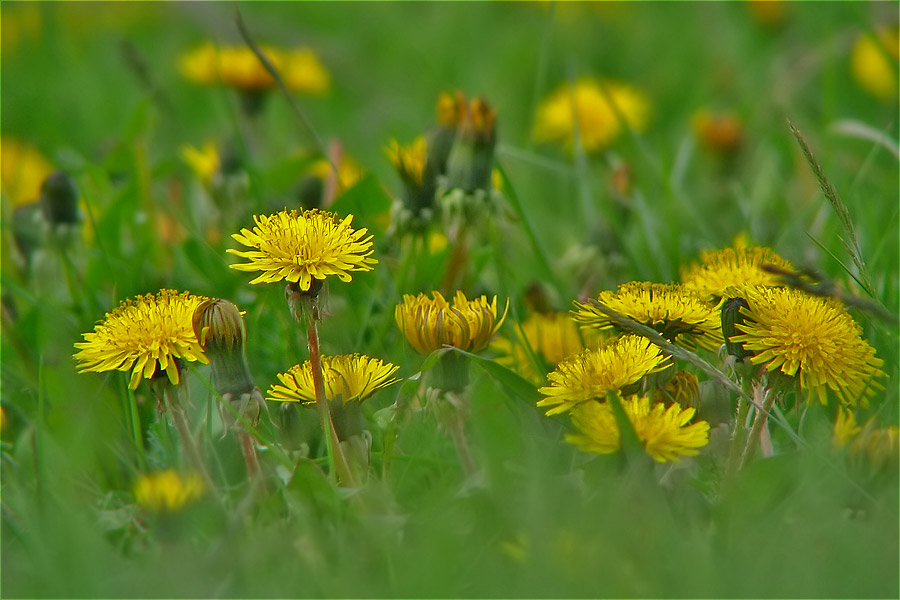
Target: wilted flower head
732,267
303,247
22,171
432,323
589,375
586,107
145,335
680,315
348,377
718,132
873,62
167,491
552,336
239,67
664,432
811,338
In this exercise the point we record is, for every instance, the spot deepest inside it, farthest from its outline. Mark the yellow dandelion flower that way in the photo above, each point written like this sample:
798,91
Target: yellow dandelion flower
679,314
589,375
409,160
145,334
432,323
22,171
239,67
812,338
167,491
302,247
845,428
587,107
877,444
553,337
732,267
664,432
348,377
873,62
204,162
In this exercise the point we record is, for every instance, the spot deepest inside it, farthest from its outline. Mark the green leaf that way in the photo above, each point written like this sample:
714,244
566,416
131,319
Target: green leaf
515,385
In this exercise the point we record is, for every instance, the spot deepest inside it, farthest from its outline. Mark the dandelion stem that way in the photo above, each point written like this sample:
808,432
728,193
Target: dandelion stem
458,259
768,400
173,398
135,418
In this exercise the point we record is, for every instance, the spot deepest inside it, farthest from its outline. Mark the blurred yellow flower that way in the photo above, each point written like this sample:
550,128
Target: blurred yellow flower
302,247
167,491
719,270
349,171
584,110
590,374
679,314
873,62
664,432
553,337
409,161
204,162
348,377
878,445
429,324
147,335
22,171
812,338
238,67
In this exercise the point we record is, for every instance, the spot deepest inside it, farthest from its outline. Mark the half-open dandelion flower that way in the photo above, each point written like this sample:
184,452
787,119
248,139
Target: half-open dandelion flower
302,247
732,267
812,338
167,491
589,375
680,315
586,107
664,432
429,324
145,334
348,377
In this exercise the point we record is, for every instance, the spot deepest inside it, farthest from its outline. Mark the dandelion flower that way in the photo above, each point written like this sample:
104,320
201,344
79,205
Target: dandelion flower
145,334
22,171
679,314
553,337
302,247
586,107
811,338
873,63
349,377
589,375
167,491
664,432
878,445
409,161
204,162
732,267
432,323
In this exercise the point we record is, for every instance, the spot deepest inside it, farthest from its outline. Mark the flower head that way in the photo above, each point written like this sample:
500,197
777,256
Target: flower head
409,160
144,334
679,314
584,111
812,338
553,336
873,62
664,432
732,267
877,444
349,377
167,491
589,375
22,171
239,67
432,323
302,247
718,132
204,162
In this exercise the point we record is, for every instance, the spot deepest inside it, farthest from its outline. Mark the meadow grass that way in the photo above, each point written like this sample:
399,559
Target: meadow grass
96,87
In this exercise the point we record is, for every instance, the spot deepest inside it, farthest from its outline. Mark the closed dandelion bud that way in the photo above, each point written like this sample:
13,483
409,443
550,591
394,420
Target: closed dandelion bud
59,199
450,111
471,160
220,330
731,316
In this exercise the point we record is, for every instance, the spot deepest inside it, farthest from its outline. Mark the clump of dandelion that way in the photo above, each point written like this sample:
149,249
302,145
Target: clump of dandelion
616,365
810,338
591,112
167,491
719,270
665,432
146,335
679,314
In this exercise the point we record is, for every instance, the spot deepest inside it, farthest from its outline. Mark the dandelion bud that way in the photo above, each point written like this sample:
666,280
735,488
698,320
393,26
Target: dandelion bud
450,111
59,199
731,317
471,160
220,330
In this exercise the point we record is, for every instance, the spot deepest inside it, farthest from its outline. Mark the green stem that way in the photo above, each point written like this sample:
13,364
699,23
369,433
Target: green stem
135,418
758,422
